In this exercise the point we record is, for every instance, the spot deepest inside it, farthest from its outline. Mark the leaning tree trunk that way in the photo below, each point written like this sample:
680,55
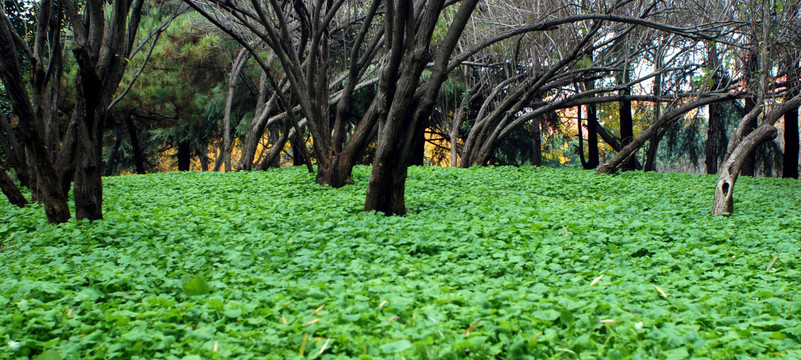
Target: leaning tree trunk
10,189
740,150
55,200
723,203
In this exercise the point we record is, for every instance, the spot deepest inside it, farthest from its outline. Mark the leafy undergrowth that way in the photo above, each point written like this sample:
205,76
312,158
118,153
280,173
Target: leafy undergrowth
489,263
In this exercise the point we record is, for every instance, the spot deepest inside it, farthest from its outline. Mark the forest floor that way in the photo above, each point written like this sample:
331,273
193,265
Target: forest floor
489,263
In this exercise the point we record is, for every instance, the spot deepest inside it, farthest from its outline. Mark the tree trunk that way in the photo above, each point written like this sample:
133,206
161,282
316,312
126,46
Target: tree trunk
791,145
10,189
115,149
184,156
592,137
626,130
714,130
740,150
536,142
55,201
723,203
88,184
236,68
653,147
666,119
139,158
713,137
419,148
387,187
748,167
336,172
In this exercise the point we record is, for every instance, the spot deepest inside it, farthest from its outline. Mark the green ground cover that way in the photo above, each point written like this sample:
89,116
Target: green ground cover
489,263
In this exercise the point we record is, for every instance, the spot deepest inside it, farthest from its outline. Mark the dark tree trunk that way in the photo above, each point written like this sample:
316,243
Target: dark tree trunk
791,145
592,138
297,152
139,158
336,172
112,158
203,158
55,201
713,137
184,156
418,148
536,142
715,129
653,147
15,152
88,184
626,130
274,137
10,189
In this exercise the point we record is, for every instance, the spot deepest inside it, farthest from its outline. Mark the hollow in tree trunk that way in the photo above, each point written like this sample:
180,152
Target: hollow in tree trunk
723,203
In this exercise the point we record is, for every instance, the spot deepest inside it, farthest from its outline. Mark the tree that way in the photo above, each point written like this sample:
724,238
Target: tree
36,110
773,28
404,103
301,34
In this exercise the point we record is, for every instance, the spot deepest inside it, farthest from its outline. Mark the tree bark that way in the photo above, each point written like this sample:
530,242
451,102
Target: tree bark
184,155
748,167
723,202
406,109
236,68
791,144
651,154
626,130
714,130
536,142
713,137
593,159
15,152
139,157
115,149
55,200
740,150
10,189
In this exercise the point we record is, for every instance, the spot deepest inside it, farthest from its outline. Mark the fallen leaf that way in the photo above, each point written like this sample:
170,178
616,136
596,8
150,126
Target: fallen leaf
324,346
303,344
318,310
596,280
664,294
472,327
311,322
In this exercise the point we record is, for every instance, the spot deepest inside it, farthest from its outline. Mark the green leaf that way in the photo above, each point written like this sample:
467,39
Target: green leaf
49,355
196,286
397,346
